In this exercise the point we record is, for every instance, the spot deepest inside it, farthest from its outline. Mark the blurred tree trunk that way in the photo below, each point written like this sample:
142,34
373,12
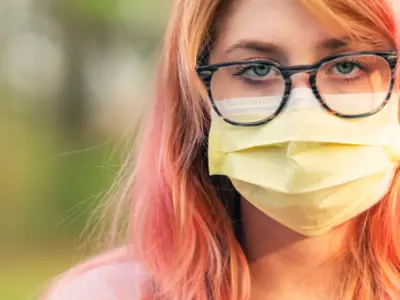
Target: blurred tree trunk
73,107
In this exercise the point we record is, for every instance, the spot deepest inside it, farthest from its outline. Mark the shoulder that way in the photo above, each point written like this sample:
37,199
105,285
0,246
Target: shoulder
112,280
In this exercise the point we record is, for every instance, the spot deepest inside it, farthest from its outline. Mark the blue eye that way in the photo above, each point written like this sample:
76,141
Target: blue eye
255,72
346,67
258,71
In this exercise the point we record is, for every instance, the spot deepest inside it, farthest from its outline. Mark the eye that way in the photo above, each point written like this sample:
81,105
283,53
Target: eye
345,68
258,71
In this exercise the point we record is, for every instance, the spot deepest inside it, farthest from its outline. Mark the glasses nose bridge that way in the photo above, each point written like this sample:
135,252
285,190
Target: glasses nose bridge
311,71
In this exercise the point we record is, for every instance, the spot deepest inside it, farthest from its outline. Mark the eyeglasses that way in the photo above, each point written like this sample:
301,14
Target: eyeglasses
349,85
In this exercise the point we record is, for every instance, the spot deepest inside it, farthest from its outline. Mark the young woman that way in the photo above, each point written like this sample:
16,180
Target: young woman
267,166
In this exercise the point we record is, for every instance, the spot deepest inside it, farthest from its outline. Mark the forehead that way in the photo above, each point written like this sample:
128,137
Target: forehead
270,16
286,23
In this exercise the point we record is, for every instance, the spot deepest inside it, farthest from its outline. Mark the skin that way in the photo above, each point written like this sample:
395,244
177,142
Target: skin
283,263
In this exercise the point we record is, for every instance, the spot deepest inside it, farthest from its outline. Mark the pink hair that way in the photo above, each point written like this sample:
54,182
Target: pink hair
179,228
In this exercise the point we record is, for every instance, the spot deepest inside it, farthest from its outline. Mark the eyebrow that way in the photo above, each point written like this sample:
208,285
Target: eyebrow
270,48
334,43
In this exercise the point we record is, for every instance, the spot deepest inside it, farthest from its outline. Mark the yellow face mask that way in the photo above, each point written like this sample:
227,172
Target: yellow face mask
308,169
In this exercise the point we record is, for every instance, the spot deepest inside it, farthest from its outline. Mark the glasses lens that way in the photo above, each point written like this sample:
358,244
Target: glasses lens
247,93
354,85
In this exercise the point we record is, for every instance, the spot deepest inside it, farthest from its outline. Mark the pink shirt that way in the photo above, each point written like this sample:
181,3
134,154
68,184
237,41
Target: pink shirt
100,280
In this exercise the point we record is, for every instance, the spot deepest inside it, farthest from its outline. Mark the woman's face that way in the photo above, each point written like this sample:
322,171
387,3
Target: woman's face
282,31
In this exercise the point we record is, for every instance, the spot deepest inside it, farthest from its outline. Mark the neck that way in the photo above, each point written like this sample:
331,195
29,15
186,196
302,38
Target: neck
287,265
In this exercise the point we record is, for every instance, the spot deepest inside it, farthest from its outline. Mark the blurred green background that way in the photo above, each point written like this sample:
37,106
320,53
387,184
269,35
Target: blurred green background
74,76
